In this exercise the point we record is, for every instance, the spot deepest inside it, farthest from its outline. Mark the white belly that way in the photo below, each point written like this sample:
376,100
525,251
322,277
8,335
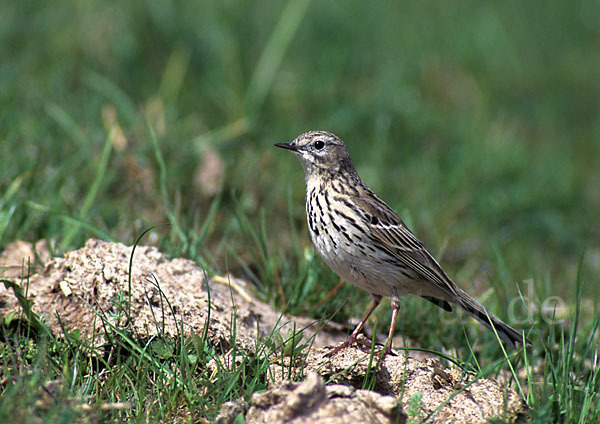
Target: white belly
351,263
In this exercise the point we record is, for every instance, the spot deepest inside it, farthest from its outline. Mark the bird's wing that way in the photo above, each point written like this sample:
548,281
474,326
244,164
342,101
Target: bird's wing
388,229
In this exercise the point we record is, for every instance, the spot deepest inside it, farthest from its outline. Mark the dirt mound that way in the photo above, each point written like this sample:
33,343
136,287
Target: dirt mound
166,295
93,287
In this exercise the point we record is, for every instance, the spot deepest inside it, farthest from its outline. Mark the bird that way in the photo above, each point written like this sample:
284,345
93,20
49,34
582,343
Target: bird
366,243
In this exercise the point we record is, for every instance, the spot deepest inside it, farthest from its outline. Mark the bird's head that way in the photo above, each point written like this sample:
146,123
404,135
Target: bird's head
320,152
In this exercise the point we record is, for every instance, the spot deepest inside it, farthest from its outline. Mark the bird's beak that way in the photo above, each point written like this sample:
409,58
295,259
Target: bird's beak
288,146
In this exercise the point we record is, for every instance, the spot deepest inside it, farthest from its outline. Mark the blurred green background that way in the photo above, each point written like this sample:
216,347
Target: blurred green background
478,122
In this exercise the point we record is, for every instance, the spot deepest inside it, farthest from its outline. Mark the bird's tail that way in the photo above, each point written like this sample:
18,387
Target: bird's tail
477,311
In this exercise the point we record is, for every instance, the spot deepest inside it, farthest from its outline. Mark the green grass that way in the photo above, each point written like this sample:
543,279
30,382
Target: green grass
476,122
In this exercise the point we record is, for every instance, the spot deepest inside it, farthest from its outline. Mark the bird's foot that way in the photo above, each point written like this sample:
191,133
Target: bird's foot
387,350
335,350
349,341
363,344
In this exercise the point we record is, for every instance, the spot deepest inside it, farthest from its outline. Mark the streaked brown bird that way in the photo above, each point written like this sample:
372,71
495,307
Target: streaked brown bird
365,242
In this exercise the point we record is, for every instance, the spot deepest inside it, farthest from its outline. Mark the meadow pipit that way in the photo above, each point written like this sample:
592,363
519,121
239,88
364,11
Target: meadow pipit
366,243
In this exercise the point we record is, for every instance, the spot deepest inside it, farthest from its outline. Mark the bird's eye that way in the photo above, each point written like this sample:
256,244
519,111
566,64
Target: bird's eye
319,144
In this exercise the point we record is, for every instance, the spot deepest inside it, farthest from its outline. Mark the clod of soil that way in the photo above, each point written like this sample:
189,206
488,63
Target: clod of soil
421,386
313,402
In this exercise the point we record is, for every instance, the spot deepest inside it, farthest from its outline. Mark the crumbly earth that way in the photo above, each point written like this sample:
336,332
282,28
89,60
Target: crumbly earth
166,295
311,401
90,288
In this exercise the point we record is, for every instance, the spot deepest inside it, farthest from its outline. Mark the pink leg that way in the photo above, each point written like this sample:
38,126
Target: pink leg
374,303
395,310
